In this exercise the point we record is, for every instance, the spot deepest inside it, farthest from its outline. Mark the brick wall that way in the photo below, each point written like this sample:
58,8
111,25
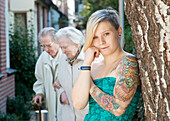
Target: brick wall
7,89
7,81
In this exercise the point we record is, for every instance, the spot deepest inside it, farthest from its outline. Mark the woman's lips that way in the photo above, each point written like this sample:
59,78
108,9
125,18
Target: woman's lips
104,47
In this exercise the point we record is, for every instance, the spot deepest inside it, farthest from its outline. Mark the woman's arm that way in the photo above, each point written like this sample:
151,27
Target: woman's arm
81,88
124,90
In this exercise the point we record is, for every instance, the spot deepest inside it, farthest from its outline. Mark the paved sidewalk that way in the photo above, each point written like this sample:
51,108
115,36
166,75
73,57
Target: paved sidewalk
33,116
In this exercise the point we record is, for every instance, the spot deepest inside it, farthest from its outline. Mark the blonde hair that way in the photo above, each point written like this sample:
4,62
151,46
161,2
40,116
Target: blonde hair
101,15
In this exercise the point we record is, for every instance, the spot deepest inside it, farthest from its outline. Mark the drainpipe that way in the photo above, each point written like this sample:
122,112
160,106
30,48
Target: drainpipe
7,35
121,14
49,17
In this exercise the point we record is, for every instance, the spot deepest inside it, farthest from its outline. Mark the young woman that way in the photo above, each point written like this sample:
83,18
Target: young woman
113,83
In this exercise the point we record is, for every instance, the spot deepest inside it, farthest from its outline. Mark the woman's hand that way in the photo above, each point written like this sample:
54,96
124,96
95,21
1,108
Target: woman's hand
64,98
37,99
90,55
57,84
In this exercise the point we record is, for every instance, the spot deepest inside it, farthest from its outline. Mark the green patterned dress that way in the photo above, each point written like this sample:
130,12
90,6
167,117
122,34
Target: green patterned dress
96,113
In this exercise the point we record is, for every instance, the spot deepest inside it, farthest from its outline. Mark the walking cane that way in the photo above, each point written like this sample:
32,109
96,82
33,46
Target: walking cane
39,107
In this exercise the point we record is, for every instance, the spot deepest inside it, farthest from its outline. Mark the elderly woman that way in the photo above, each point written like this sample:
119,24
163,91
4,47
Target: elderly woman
71,42
44,71
113,83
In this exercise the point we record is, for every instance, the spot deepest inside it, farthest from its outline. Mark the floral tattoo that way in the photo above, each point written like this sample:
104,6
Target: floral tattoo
125,87
127,76
104,100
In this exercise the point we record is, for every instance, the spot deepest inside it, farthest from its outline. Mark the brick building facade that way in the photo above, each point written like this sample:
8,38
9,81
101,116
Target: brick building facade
7,77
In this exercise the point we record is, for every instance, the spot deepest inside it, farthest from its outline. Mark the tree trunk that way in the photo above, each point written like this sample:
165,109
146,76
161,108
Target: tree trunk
150,23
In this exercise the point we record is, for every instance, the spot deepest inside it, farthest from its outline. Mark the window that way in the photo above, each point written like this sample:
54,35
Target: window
21,19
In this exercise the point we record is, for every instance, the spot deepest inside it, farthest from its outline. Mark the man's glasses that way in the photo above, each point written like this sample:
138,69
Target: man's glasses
48,45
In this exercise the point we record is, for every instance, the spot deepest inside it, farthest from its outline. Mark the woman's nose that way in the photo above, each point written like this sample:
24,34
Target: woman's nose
101,40
45,48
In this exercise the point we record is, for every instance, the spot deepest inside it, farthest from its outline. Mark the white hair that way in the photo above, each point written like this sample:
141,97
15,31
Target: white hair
48,31
75,35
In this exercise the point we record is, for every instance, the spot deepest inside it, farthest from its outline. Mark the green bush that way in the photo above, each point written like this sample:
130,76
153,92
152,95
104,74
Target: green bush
8,117
139,114
17,106
22,90
91,6
129,45
63,21
23,56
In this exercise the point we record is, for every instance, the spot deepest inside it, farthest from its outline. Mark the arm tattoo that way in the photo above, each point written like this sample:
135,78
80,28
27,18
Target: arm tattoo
124,89
106,101
127,79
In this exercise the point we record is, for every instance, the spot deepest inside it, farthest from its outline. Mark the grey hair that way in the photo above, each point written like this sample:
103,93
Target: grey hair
75,35
48,31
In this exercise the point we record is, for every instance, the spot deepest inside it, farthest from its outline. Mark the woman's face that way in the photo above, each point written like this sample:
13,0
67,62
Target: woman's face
49,46
106,38
67,47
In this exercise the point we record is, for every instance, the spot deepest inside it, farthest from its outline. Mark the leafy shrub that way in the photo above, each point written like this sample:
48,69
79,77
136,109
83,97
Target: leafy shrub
23,56
8,117
17,106
129,45
22,90
139,114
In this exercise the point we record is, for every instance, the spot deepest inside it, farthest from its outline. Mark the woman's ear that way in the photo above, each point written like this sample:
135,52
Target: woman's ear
120,31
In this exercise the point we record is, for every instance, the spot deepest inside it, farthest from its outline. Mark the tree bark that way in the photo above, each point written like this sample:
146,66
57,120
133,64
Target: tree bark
150,24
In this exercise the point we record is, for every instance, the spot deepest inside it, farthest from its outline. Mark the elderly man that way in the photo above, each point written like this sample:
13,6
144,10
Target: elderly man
71,42
46,71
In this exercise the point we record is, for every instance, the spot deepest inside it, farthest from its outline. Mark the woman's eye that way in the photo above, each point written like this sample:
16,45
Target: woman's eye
106,34
63,48
94,37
